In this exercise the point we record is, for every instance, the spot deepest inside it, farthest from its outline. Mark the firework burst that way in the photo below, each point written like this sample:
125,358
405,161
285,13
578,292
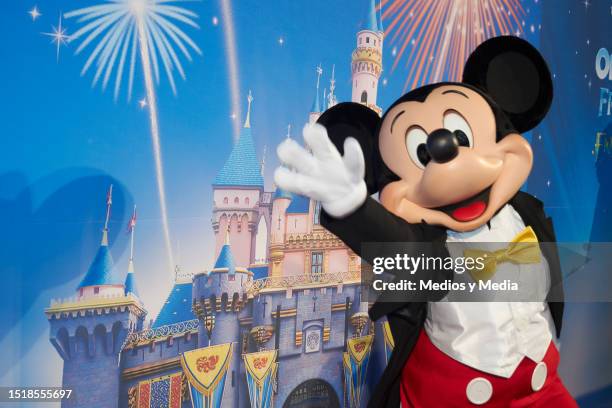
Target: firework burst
436,37
120,30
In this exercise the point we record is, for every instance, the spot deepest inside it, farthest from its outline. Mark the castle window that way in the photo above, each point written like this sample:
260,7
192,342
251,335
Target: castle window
225,200
364,97
375,43
316,265
316,215
236,200
246,201
367,40
96,290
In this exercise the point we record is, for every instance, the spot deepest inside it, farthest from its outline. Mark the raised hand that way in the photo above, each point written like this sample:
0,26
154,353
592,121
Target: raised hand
322,173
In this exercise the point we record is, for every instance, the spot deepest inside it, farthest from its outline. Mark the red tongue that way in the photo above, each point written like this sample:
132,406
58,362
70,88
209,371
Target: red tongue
470,211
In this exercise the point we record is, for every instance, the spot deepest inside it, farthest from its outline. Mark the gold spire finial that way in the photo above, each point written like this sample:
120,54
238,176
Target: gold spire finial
247,121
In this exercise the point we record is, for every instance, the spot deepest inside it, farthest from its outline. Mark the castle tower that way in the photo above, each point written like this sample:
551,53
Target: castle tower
237,194
316,109
366,65
218,299
88,331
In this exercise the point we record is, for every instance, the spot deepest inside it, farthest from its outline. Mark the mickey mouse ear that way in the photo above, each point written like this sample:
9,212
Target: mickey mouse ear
514,74
349,119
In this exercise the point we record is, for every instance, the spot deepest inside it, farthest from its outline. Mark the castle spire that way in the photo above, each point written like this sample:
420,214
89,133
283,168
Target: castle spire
288,131
331,96
102,270
247,121
109,203
316,104
130,281
372,23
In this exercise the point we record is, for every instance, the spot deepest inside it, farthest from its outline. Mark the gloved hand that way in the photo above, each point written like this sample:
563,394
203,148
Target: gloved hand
322,174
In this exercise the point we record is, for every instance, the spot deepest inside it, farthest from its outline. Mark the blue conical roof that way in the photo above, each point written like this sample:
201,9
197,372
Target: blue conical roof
102,269
241,167
371,22
177,307
130,283
299,205
225,259
316,104
280,193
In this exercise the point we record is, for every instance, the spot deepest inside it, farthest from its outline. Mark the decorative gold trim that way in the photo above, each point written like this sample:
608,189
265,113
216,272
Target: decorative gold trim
100,304
151,368
298,338
285,313
326,333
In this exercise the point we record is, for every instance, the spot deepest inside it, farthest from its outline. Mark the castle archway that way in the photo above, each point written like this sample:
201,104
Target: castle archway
314,393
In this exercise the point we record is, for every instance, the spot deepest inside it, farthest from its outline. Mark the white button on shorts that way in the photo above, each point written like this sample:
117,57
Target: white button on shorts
479,391
538,378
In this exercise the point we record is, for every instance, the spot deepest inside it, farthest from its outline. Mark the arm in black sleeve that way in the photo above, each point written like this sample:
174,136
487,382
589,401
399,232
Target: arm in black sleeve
371,223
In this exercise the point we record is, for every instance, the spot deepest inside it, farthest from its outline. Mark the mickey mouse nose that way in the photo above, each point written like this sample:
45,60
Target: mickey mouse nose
442,145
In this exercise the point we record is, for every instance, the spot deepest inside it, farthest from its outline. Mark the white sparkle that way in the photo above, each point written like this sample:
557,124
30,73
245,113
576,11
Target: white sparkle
586,4
59,36
281,41
532,28
142,103
384,82
233,116
35,13
215,21
547,183
394,51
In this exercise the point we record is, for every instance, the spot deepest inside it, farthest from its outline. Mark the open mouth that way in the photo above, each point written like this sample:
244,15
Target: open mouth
468,209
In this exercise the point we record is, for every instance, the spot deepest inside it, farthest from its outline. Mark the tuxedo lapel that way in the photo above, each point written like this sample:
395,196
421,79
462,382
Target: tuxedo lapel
531,211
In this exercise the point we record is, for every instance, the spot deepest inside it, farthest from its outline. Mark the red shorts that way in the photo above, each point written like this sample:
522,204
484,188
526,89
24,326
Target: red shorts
432,379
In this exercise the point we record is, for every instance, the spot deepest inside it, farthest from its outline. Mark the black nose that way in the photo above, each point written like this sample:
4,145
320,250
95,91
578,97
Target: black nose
442,145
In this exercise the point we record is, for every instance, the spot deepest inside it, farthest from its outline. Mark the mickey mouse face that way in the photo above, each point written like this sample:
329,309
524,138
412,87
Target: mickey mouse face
452,154
452,170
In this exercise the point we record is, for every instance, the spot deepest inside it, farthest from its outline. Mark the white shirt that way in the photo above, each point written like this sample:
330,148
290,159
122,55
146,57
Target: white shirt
494,337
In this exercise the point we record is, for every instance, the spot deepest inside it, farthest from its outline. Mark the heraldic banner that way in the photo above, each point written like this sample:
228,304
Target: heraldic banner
355,361
160,392
261,373
389,342
206,369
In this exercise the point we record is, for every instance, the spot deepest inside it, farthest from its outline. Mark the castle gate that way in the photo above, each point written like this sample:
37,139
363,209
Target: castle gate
312,394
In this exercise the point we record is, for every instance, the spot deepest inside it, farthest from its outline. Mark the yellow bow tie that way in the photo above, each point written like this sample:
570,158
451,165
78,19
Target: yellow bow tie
523,249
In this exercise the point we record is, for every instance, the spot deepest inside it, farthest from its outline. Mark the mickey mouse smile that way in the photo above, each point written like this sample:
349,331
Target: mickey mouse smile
469,209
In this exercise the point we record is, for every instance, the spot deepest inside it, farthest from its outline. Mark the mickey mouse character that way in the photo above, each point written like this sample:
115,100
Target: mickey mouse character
447,160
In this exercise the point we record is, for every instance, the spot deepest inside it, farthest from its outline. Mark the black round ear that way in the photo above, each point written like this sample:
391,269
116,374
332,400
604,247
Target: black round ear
358,121
514,74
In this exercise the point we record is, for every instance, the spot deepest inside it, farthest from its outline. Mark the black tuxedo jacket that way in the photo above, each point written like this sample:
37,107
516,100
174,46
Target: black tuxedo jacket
373,223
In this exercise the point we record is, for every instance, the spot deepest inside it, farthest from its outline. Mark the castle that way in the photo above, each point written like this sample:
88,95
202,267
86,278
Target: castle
277,322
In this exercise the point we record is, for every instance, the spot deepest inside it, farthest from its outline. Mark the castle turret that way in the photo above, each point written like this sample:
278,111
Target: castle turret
237,194
218,299
88,330
366,65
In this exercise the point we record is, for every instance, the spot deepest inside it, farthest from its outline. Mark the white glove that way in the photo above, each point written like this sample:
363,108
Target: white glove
323,175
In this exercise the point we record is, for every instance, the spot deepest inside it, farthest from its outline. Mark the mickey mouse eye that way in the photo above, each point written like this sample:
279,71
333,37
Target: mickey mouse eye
457,124
416,144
